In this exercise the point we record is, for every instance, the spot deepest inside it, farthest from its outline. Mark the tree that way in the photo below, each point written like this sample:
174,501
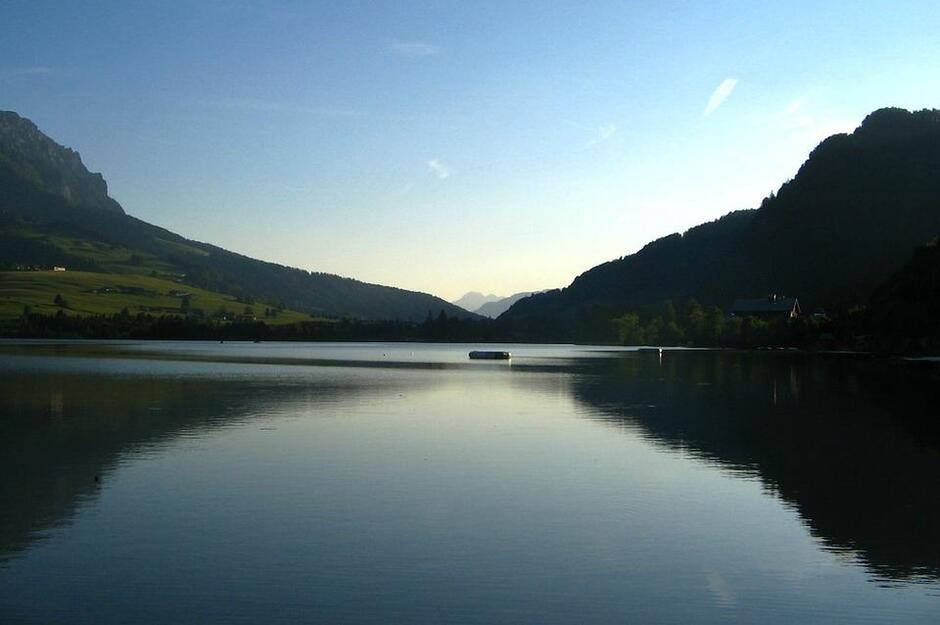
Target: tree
672,334
653,332
60,301
628,329
755,332
669,313
715,326
731,331
696,320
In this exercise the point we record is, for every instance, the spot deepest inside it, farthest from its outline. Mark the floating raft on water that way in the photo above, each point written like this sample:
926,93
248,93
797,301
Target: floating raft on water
488,355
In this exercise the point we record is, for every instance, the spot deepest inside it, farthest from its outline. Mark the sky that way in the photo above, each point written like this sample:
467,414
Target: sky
448,147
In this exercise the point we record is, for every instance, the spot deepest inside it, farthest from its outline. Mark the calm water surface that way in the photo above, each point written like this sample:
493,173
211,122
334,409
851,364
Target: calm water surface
371,483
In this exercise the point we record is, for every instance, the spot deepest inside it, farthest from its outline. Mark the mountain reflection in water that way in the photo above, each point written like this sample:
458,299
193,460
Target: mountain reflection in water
851,445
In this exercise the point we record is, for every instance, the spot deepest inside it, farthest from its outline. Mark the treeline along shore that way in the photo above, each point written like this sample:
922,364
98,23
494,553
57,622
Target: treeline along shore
688,325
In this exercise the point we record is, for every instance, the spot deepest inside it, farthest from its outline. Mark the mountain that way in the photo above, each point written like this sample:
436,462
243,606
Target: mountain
905,311
491,306
474,299
54,212
30,154
848,220
494,309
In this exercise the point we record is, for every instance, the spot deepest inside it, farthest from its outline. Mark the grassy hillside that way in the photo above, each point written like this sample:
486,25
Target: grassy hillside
45,222
37,229
92,293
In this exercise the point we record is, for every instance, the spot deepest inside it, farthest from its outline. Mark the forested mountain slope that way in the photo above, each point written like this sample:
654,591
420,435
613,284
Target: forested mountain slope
852,215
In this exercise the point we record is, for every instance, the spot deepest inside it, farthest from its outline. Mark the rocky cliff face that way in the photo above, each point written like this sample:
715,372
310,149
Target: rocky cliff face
52,167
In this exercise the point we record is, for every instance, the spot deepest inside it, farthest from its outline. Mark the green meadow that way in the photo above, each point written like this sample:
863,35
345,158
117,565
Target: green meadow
88,293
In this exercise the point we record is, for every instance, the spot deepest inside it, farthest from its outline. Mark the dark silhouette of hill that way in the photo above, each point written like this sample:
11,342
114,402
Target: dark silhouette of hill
45,220
905,311
848,220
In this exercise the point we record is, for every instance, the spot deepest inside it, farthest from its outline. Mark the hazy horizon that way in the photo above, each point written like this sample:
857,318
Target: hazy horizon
449,149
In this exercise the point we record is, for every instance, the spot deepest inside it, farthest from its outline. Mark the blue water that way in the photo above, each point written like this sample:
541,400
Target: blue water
402,483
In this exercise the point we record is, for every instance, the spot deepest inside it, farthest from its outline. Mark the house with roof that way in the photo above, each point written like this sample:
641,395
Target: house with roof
771,307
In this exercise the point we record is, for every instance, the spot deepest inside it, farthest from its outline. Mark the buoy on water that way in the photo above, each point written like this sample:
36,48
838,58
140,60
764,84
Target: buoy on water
489,355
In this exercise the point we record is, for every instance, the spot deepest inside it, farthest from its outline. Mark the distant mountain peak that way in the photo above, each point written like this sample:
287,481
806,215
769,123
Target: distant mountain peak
53,168
496,308
472,300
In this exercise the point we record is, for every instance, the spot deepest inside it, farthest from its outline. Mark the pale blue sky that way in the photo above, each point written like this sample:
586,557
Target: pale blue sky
448,147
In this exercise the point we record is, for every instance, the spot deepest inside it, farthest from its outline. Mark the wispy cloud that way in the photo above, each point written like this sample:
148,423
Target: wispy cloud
603,134
273,106
794,107
719,95
439,169
412,49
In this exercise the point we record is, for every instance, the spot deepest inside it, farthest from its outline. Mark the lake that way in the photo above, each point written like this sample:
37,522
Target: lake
402,483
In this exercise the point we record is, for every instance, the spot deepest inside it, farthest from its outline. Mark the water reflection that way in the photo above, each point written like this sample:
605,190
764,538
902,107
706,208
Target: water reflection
852,445
62,432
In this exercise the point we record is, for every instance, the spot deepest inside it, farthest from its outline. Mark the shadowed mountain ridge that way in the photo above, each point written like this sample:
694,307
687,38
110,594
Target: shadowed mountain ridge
852,215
